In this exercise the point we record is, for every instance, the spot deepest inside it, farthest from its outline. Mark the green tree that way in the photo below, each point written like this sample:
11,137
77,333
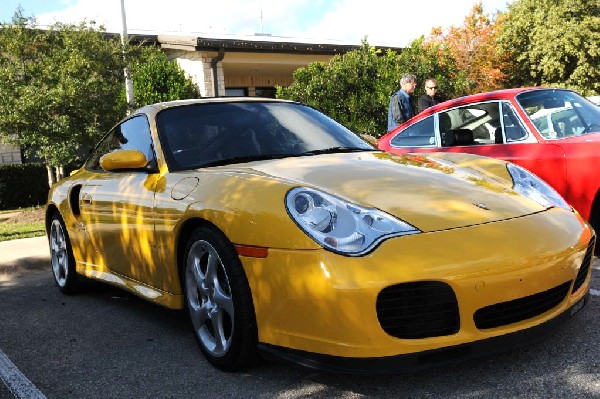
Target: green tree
59,88
554,43
430,59
353,88
156,79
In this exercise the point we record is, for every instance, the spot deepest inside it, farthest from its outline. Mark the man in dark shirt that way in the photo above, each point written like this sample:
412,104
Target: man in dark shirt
430,98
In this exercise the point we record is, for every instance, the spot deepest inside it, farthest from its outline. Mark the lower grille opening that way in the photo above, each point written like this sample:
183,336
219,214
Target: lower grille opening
418,310
585,266
520,309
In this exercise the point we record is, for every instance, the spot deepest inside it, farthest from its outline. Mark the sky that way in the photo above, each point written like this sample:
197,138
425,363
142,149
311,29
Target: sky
382,22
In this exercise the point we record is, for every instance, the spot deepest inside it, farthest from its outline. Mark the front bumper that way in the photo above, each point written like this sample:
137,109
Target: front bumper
421,360
324,306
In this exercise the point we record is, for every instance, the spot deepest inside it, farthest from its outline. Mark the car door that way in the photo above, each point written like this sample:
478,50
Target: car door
117,206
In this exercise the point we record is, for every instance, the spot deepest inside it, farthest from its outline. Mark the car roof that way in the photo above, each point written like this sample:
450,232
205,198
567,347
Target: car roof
153,108
503,94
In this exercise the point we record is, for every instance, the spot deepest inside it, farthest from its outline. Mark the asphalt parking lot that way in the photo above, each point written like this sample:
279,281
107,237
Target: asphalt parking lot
105,343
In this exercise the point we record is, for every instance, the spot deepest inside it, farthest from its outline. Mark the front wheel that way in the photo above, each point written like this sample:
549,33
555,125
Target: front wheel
61,257
219,300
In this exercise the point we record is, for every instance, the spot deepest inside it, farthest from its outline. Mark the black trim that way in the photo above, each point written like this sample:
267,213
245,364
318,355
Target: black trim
255,44
421,360
262,44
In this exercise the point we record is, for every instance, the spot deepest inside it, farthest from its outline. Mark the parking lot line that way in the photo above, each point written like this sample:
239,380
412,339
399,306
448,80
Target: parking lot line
16,382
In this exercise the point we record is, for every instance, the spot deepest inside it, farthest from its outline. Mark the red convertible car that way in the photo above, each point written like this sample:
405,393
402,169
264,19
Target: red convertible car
555,133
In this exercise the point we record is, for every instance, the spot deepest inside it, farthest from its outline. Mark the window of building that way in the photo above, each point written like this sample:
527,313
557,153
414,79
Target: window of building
268,92
236,92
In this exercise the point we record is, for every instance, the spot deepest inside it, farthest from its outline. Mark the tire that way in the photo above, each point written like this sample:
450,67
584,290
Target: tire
61,257
595,221
219,300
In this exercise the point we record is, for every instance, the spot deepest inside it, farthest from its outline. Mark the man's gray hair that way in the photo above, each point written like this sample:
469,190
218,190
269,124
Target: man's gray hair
407,78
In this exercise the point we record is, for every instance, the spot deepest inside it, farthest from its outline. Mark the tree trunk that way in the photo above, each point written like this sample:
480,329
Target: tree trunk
59,172
51,179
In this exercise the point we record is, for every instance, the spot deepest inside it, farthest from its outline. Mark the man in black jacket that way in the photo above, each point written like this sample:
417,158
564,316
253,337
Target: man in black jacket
430,98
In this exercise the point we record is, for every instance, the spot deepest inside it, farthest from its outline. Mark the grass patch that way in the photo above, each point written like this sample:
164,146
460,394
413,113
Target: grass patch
22,223
11,231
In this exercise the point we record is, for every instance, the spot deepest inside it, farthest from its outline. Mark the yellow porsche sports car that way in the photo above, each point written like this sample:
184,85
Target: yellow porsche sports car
284,234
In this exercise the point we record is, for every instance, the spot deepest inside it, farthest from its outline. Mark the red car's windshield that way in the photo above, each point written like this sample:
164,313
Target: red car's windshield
560,113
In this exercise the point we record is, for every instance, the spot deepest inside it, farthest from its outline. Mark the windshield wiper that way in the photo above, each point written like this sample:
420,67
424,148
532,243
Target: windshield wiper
334,150
250,158
244,159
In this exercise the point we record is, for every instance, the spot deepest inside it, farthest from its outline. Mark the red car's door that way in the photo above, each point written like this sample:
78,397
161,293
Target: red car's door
546,160
582,155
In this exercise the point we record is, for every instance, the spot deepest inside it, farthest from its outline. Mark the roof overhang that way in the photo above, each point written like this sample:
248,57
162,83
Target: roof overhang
256,44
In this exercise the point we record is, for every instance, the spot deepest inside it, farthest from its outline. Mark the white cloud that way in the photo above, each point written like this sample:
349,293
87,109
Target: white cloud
383,22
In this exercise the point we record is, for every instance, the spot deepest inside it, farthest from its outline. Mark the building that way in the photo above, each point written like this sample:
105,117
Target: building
244,66
9,154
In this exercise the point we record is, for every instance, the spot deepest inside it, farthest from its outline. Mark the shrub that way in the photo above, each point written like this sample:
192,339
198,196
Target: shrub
23,185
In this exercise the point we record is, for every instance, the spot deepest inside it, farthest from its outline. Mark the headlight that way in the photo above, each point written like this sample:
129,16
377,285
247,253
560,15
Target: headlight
341,226
535,188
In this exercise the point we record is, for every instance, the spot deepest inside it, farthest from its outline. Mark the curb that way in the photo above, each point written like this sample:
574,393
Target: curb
24,254
28,263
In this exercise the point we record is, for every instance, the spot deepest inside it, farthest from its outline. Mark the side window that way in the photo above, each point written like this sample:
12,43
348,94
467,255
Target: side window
132,134
471,124
513,129
420,134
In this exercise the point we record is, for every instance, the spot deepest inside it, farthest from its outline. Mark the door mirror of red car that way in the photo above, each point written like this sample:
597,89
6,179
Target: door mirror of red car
123,159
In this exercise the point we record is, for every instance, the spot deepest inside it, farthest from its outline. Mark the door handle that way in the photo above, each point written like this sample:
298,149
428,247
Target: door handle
86,199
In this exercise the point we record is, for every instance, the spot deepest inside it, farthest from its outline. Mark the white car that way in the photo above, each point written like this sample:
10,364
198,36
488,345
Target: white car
558,122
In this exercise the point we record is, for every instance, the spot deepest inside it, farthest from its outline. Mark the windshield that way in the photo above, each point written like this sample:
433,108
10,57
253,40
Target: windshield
201,135
560,113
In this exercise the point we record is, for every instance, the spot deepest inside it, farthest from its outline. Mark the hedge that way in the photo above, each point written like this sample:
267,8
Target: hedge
23,185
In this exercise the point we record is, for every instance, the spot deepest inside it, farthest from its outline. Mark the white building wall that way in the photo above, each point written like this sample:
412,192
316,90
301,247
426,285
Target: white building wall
196,65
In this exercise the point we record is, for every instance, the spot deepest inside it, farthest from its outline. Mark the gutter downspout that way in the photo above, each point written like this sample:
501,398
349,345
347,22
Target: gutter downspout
213,66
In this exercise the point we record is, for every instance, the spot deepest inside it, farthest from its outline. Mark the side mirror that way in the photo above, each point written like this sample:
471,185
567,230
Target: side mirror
369,139
123,159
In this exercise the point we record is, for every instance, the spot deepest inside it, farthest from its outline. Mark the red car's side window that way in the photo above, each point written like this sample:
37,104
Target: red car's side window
471,124
490,122
420,134
513,128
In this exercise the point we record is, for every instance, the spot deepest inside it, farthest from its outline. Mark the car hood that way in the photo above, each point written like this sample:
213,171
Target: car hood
432,192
